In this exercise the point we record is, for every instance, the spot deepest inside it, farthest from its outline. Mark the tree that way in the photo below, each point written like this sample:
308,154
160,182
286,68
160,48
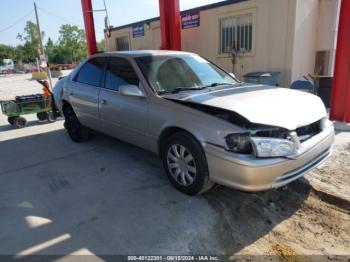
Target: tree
4,52
50,49
10,52
49,45
71,45
72,42
101,46
30,37
18,54
55,53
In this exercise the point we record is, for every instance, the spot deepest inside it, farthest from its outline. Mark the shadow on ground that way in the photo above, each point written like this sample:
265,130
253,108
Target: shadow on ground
30,123
108,197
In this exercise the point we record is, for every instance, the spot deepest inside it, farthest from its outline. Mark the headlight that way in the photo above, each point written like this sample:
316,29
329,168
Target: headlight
272,147
239,143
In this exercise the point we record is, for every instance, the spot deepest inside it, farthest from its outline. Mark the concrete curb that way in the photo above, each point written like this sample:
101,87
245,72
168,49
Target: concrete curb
303,185
341,126
332,199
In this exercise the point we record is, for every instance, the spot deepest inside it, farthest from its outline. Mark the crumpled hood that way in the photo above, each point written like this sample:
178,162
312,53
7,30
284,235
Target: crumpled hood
281,107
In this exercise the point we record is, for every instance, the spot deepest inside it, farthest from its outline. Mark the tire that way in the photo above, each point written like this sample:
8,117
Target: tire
11,120
41,116
76,131
20,122
50,117
193,177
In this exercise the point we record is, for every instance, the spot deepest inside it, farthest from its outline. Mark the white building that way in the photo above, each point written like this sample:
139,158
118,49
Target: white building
293,37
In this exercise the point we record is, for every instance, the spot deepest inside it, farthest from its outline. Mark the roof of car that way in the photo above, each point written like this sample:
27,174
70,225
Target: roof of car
138,53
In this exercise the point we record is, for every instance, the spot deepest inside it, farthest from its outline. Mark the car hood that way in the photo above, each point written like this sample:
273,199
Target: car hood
267,105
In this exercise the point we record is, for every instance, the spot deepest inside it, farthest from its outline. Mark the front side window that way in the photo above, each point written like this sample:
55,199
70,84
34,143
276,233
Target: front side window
120,72
91,72
166,73
236,32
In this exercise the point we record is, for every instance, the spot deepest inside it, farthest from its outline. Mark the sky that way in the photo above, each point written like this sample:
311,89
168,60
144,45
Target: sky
54,13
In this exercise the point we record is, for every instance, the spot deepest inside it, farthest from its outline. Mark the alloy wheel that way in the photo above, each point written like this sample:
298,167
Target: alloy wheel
181,164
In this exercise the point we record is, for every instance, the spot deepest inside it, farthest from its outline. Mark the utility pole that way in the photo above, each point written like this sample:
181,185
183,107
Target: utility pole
41,44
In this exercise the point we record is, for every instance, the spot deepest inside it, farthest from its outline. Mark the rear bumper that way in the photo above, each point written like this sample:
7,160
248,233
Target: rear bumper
248,173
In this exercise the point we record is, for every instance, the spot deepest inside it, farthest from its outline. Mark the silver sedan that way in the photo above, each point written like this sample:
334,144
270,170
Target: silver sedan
206,126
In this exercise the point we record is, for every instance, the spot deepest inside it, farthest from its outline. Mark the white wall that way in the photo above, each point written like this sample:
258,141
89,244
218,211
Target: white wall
327,29
286,35
305,36
272,20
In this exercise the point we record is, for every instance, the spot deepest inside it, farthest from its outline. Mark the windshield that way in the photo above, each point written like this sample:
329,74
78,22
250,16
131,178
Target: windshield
166,73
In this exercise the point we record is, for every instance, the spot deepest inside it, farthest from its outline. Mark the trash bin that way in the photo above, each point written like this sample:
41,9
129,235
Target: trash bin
325,90
303,85
265,78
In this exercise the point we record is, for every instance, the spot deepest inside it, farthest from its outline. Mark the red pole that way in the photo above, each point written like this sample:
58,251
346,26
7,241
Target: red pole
163,25
340,102
170,24
89,26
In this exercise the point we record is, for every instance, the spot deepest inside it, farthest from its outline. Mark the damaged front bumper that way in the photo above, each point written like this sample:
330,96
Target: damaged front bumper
249,173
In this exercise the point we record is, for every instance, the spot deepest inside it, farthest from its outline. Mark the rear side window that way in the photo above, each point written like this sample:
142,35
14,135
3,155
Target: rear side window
120,72
91,72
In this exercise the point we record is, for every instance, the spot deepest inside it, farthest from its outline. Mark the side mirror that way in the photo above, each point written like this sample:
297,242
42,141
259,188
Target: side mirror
130,90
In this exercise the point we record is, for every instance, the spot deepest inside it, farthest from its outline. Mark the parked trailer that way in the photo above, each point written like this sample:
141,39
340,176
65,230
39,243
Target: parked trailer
24,105
62,66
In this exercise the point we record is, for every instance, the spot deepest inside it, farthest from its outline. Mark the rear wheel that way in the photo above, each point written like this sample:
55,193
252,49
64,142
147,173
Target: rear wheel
20,122
76,131
185,164
41,116
50,117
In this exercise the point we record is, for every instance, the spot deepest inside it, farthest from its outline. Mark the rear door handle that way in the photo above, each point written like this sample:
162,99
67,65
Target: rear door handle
103,102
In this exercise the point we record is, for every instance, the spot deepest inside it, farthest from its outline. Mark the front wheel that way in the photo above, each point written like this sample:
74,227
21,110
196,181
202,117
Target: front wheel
76,131
185,164
11,120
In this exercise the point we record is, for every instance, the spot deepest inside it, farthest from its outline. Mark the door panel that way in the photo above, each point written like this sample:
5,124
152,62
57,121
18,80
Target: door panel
124,117
84,100
84,91
121,116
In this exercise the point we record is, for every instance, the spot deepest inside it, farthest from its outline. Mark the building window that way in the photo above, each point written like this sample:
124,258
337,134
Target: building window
122,43
236,31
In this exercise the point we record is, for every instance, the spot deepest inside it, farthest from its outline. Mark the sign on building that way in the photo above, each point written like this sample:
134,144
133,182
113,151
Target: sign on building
138,31
190,20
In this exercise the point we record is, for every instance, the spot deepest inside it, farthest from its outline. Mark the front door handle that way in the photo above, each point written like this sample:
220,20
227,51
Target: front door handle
103,102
